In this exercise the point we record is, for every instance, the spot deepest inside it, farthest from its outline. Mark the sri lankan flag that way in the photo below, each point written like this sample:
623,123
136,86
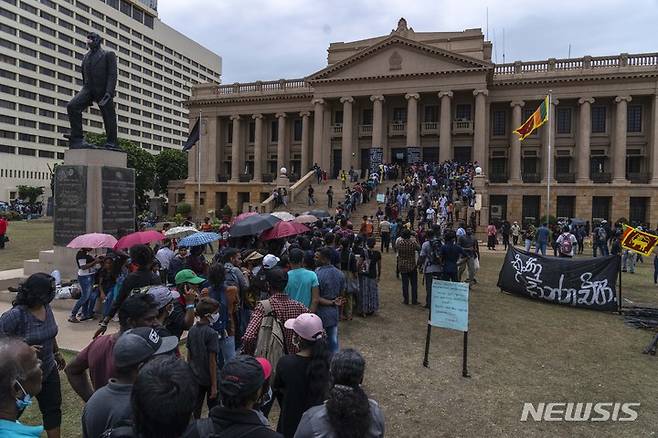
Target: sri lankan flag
638,240
538,118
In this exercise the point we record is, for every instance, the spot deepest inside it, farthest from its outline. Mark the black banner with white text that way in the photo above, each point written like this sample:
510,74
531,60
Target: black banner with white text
587,283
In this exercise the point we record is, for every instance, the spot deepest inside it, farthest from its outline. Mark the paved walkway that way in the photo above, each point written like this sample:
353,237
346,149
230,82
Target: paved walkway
72,337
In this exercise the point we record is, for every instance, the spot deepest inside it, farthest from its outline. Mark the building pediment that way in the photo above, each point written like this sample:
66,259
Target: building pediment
398,56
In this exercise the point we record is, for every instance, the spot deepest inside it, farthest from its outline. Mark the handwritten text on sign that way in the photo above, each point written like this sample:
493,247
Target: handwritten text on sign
449,305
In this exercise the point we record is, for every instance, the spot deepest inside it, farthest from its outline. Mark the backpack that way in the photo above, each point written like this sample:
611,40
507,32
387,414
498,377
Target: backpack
566,246
601,234
271,343
435,252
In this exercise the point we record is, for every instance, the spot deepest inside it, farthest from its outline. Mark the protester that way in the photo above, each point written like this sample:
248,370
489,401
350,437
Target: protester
227,296
243,384
385,234
348,412
4,224
110,404
566,243
472,250
332,285
407,247
370,271
302,379
303,284
32,320
515,230
164,256
330,197
430,261
349,269
163,398
284,309
311,197
542,237
450,255
177,264
139,310
21,379
600,239
174,316
142,257
491,236
86,276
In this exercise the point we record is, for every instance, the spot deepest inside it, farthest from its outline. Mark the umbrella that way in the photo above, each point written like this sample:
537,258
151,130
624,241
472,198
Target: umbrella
243,216
306,219
318,213
284,229
253,225
177,232
93,240
139,238
199,238
283,215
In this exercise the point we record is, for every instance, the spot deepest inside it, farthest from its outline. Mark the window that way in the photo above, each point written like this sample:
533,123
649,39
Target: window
28,22
7,89
49,3
431,113
8,29
29,8
46,113
8,14
28,37
82,19
274,131
27,109
7,119
46,154
399,115
463,111
66,25
7,59
46,127
7,150
563,120
26,151
27,94
82,6
297,130
47,71
598,119
65,11
28,65
498,122
47,44
126,8
7,134
7,74
47,140
27,80
366,116
47,85
8,44
634,118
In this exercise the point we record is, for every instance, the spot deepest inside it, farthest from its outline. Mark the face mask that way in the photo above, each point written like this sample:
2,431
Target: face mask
213,318
25,401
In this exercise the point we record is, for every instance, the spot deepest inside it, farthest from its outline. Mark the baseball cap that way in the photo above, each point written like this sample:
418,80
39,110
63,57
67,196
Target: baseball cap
162,295
136,345
307,325
188,276
243,375
270,261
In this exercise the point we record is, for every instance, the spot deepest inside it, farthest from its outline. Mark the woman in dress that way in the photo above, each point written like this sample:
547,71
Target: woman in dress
31,319
370,270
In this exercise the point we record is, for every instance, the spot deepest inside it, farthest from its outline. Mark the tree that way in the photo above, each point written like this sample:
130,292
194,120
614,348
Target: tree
183,209
29,193
139,159
170,164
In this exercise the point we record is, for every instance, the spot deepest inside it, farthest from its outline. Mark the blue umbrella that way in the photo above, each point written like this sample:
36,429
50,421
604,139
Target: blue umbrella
200,238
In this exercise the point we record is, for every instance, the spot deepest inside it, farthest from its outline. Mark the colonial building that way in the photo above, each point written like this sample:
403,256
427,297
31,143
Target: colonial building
440,92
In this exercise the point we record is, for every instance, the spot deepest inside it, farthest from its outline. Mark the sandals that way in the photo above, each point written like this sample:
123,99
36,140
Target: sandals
73,319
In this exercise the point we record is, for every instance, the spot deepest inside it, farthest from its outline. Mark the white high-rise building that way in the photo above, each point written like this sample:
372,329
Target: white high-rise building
42,43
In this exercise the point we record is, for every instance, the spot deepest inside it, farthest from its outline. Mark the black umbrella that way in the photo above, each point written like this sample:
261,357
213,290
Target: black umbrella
319,213
253,225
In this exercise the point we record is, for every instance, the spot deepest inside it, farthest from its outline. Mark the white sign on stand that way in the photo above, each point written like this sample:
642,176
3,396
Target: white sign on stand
449,305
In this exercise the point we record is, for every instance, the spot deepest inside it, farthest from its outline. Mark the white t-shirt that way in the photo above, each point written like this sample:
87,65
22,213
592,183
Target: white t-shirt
430,213
164,256
569,236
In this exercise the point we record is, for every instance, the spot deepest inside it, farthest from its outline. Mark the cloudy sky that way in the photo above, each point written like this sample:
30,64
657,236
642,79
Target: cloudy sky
273,39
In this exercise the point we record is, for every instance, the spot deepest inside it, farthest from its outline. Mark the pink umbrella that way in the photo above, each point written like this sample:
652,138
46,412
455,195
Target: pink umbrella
284,229
139,238
93,240
243,216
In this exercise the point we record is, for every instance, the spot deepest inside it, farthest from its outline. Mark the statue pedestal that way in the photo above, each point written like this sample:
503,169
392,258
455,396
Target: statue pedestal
94,193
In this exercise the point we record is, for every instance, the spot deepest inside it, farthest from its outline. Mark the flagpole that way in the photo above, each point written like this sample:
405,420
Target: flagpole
549,158
198,167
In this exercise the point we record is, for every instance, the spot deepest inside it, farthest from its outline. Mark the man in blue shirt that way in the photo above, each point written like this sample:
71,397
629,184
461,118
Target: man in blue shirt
450,254
541,239
332,284
302,283
21,372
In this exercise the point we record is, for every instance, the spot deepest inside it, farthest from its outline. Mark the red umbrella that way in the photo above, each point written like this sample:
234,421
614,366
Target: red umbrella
284,229
139,238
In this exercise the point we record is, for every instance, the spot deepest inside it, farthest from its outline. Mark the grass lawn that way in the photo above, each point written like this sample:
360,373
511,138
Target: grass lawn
519,351
27,238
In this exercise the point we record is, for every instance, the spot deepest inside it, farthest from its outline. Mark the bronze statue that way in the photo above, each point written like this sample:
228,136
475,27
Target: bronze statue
99,79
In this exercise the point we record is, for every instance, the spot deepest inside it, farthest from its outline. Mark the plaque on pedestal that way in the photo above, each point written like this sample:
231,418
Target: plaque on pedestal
70,212
118,185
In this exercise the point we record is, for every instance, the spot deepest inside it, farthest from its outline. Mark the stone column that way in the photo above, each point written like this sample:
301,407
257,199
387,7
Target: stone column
515,143
258,148
280,144
377,121
445,126
305,166
619,154
549,135
235,149
480,129
653,147
412,119
346,160
318,113
209,152
583,145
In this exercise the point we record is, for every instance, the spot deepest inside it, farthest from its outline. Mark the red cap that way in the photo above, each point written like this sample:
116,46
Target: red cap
266,365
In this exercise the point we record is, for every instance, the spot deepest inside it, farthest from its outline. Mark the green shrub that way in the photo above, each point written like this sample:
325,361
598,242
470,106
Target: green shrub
183,208
11,215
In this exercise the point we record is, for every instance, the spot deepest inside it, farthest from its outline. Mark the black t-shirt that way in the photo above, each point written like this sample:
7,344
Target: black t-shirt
83,255
450,253
202,341
291,389
175,322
